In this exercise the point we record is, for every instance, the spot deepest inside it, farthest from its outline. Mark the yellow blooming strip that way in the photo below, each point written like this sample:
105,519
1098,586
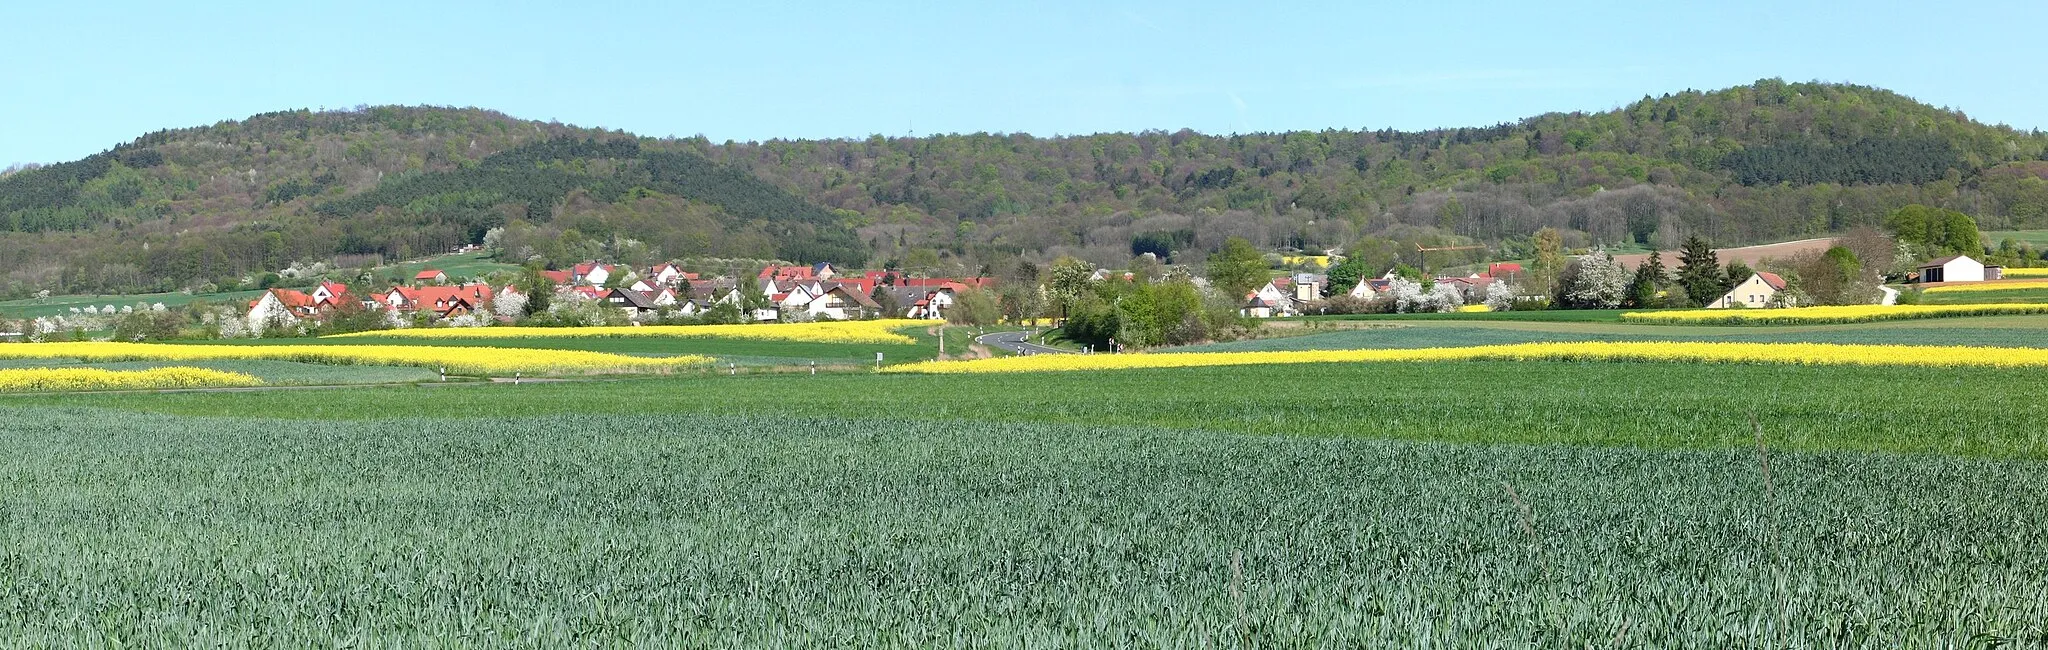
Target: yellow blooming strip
1785,353
457,360
1825,315
70,379
859,331
1989,286
2031,272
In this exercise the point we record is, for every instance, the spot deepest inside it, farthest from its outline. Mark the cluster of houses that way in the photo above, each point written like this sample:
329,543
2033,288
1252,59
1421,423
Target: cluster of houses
1290,295
1762,289
785,293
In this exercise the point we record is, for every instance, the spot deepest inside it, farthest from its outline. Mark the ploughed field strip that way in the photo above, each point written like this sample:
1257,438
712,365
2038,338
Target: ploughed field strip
746,530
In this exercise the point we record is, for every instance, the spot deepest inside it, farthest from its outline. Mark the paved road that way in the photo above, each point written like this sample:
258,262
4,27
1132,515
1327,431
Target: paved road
1017,342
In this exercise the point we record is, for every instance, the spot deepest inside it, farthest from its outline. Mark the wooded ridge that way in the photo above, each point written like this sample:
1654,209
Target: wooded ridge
1772,160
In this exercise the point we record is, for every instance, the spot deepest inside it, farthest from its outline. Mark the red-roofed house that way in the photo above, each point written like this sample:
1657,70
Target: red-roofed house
667,274
591,273
1760,290
430,276
329,295
781,273
443,301
280,308
1503,269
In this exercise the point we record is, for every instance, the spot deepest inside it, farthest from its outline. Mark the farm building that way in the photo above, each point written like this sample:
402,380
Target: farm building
1757,291
430,276
1954,268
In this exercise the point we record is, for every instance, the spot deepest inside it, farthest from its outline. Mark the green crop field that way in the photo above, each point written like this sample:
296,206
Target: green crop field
35,308
458,266
1992,331
1985,297
2039,238
1479,504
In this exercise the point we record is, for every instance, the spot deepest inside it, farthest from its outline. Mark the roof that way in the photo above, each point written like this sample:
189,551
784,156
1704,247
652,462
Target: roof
863,286
1772,279
336,291
773,272
634,298
856,296
443,299
557,277
288,297
1498,268
427,274
1943,261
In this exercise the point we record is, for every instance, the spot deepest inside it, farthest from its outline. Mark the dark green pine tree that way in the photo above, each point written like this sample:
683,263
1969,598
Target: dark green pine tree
1642,288
1699,271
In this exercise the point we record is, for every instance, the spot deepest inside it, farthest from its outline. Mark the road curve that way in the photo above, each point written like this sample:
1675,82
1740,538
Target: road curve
1017,343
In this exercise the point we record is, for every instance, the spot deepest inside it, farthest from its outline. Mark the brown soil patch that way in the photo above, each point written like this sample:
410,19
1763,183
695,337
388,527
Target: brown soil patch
1751,255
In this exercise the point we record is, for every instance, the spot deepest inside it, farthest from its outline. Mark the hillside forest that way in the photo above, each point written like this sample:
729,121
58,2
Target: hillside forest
218,205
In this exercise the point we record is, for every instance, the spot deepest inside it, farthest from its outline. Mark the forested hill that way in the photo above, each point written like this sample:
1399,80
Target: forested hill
218,204
1749,164
1759,163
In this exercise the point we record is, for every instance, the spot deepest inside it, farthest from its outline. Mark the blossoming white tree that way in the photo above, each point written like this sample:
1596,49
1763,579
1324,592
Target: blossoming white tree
1499,296
509,305
1445,297
1601,283
1407,295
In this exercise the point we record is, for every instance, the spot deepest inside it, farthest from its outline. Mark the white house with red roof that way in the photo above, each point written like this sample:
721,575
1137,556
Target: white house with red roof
1758,291
667,274
1274,299
592,273
279,308
430,276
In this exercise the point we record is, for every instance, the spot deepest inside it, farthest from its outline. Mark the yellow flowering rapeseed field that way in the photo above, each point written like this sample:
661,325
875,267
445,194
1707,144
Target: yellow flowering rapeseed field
458,360
1989,286
2034,272
1784,353
74,379
858,331
1825,315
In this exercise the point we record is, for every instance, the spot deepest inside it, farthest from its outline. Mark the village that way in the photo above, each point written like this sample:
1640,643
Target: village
664,292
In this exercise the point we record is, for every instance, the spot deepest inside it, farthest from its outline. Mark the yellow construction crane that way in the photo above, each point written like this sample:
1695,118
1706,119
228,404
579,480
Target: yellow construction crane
1424,251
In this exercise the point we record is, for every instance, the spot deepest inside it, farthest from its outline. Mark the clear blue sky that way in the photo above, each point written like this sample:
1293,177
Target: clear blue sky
80,79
